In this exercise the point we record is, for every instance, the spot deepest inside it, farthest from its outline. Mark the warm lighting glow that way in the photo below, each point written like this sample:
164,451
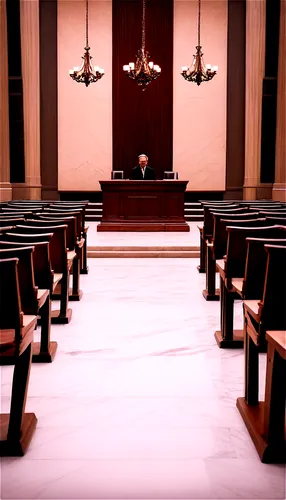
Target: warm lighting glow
86,74
198,72
142,71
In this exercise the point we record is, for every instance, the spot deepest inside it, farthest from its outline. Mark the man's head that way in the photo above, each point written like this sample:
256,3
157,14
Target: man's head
143,160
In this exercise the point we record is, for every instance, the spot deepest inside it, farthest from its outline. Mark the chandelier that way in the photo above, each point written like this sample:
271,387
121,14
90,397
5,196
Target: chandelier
86,73
198,72
142,71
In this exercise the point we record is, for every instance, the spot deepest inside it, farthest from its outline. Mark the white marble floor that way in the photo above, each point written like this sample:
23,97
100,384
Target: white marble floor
104,239
139,402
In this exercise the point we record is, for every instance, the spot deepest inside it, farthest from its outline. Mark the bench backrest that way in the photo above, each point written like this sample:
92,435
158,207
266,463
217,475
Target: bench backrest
272,307
43,272
42,223
237,246
274,213
28,289
23,214
255,266
58,247
11,222
11,315
208,217
280,221
220,234
78,214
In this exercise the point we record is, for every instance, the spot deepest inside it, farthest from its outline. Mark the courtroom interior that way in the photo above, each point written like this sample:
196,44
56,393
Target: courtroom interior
142,249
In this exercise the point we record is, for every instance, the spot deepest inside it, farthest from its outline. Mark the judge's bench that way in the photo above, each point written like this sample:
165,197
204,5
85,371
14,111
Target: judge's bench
156,205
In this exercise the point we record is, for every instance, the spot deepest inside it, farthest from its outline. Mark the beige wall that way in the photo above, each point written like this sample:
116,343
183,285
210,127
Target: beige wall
84,114
200,112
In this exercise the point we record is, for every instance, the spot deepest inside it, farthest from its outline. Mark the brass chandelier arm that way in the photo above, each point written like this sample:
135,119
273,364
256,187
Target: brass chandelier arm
143,24
142,71
198,72
86,73
86,23
199,23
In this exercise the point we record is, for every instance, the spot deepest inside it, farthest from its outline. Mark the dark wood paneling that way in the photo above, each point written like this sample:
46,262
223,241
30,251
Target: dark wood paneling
16,116
143,206
235,119
96,196
269,96
142,121
49,98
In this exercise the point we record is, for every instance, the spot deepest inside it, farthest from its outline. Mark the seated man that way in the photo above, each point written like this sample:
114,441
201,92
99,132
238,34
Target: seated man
142,171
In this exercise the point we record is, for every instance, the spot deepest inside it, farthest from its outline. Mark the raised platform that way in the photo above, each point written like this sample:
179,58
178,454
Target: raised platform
149,205
143,227
142,251
142,244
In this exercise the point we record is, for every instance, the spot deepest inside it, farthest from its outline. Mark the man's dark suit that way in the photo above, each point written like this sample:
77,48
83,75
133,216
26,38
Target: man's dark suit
136,174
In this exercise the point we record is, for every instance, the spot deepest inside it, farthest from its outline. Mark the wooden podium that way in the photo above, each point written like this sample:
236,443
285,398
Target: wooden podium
143,205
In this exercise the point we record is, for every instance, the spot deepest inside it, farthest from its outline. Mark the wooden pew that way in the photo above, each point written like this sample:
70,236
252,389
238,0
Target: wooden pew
216,247
81,231
252,284
279,221
206,230
75,293
274,213
11,210
11,221
16,337
23,214
34,301
266,420
43,272
233,266
73,245
59,261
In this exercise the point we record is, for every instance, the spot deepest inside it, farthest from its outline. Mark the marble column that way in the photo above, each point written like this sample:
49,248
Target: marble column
5,186
30,52
279,188
255,62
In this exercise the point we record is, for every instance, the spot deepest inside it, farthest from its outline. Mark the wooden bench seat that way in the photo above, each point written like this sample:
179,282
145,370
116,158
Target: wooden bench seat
204,236
82,230
217,248
16,338
59,262
265,421
34,301
73,250
234,267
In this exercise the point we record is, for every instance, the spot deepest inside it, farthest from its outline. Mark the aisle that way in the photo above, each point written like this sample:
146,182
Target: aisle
139,402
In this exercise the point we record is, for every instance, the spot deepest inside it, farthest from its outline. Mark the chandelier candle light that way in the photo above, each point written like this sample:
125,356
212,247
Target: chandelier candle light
86,73
142,71
198,72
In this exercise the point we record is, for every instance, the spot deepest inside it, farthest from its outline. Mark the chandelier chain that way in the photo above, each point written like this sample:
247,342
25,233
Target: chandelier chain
86,22
143,24
199,24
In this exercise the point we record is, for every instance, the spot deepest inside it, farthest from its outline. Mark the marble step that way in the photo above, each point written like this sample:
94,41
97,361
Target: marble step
103,254
189,218
142,248
195,210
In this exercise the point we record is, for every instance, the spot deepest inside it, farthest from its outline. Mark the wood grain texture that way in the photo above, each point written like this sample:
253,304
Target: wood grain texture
49,99
279,189
142,121
5,187
29,20
235,111
255,61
